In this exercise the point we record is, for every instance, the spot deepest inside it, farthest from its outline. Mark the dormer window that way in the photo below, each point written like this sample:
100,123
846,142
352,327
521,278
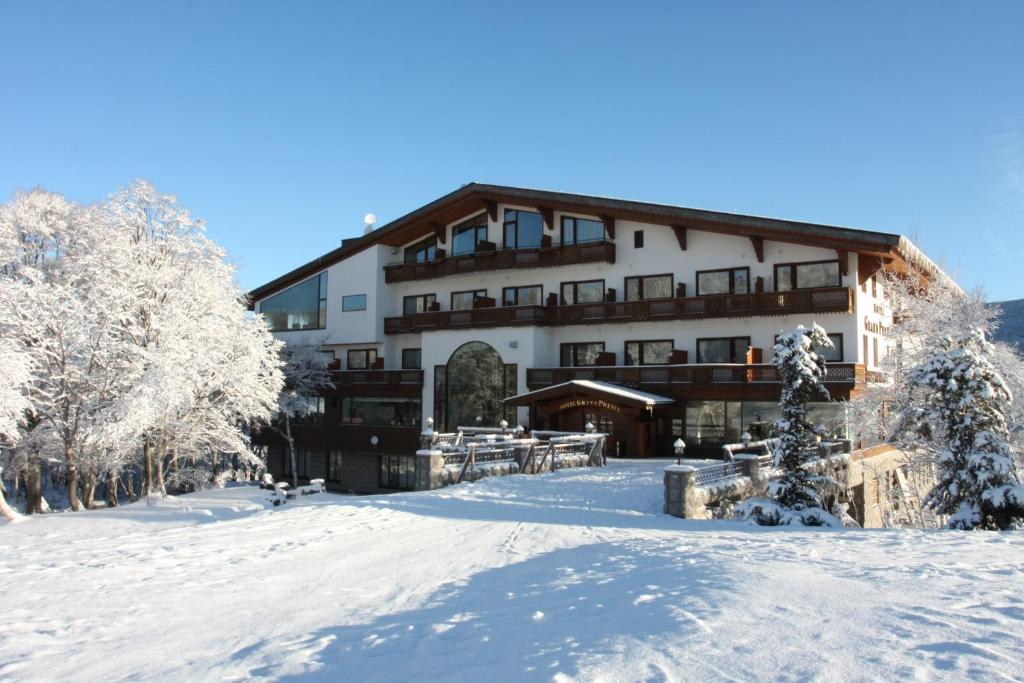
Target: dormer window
523,229
468,234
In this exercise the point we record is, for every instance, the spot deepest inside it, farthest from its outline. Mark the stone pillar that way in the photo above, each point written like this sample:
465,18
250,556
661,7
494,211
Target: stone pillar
426,438
752,469
429,470
682,496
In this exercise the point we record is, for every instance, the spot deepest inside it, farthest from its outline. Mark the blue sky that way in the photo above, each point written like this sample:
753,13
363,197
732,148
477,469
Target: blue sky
283,123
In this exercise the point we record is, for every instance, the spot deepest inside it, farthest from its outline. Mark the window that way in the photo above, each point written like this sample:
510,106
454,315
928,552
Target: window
353,302
638,239
361,359
411,359
648,352
302,461
523,229
874,344
422,252
865,349
468,234
726,281
463,300
381,411
523,296
398,472
419,303
722,350
806,275
834,355
584,353
314,414
648,287
585,292
579,230
711,423
334,466
302,307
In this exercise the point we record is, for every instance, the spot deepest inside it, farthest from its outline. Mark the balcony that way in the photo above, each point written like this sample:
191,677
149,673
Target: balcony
664,377
824,300
502,259
378,378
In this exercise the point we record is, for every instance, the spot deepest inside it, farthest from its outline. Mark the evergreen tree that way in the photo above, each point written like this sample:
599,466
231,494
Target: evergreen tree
964,408
796,495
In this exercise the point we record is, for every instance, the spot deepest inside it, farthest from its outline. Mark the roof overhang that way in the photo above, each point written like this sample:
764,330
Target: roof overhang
431,219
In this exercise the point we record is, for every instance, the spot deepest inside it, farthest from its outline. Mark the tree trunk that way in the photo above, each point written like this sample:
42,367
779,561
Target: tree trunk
160,489
89,489
69,458
129,485
112,489
33,489
291,450
147,464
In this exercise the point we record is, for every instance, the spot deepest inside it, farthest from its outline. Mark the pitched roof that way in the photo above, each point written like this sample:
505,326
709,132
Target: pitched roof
475,197
594,388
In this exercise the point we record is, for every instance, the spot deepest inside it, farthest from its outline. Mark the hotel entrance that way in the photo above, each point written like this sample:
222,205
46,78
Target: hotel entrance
626,415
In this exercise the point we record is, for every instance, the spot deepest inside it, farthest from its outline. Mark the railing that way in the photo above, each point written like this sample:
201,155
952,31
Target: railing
352,378
824,300
710,473
668,375
502,259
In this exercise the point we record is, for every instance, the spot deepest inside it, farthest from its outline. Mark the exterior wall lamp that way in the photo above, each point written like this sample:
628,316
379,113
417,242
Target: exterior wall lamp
680,448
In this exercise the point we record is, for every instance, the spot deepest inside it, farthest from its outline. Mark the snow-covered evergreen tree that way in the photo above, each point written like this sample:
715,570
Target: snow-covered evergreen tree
796,496
963,406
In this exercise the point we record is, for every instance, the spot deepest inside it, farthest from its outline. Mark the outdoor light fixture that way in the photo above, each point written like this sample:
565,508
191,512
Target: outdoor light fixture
590,427
479,419
745,438
374,440
430,423
680,447
520,429
503,424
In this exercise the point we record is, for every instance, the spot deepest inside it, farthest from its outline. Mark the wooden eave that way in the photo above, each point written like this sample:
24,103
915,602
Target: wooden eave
476,197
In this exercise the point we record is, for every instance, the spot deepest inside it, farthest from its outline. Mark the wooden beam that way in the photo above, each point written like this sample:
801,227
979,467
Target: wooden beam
758,243
609,225
439,231
680,231
844,262
492,210
548,214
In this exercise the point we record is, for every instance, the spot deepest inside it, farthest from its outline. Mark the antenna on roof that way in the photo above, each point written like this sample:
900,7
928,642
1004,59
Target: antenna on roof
369,219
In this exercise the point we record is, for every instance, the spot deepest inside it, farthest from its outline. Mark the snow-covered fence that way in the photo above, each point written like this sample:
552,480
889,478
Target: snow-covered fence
498,453
692,491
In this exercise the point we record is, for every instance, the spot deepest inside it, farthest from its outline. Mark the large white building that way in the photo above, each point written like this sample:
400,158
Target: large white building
649,321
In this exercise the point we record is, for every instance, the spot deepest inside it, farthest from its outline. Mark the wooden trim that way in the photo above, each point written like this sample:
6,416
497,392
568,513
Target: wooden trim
758,244
609,225
844,262
680,232
492,209
547,214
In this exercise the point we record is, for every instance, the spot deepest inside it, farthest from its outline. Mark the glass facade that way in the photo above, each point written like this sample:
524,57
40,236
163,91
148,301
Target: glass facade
382,411
477,385
398,472
712,423
302,307
579,230
468,234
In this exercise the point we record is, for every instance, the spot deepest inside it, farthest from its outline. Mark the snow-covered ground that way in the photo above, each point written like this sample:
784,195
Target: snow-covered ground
572,575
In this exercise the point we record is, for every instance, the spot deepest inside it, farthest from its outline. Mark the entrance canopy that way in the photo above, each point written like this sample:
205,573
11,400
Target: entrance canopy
580,393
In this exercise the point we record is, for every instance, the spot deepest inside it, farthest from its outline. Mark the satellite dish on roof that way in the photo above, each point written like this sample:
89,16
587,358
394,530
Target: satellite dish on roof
369,219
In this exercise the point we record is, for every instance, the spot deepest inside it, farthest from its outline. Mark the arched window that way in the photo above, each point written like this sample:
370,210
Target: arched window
473,384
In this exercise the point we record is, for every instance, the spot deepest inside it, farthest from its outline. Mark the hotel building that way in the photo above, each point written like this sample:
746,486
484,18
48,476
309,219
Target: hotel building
554,310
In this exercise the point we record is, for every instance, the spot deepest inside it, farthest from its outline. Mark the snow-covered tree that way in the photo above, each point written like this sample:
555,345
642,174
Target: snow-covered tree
963,406
306,376
796,496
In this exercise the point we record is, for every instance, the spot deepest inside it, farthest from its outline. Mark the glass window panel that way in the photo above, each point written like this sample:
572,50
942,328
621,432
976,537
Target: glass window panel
468,234
464,300
476,386
296,308
835,354
529,296
783,278
411,359
716,282
705,422
568,230
568,293
656,352
714,351
566,355
381,411
741,284
353,302
589,231
632,356
632,289
658,287
586,354
817,275
523,229
591,292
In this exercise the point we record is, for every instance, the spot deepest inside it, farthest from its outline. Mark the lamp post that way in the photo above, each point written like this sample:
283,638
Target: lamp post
680,448
374,441
589,427
504,426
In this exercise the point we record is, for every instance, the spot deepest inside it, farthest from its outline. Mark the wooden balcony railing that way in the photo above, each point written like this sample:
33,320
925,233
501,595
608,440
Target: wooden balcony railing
502,259
665,376
825,300
383,378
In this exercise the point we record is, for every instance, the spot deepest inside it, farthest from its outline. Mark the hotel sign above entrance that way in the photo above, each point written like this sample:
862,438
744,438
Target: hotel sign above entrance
588,403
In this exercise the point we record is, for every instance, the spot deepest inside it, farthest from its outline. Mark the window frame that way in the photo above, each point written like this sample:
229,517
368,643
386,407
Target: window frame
733,340
321,312
424,245
345,307
419,357
471,223
638,239
732,279
516,288
575,291
574,355
642,343
476,295
426,308
671,286
575,232
411,401
366,352
838,347
506,222
795,279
